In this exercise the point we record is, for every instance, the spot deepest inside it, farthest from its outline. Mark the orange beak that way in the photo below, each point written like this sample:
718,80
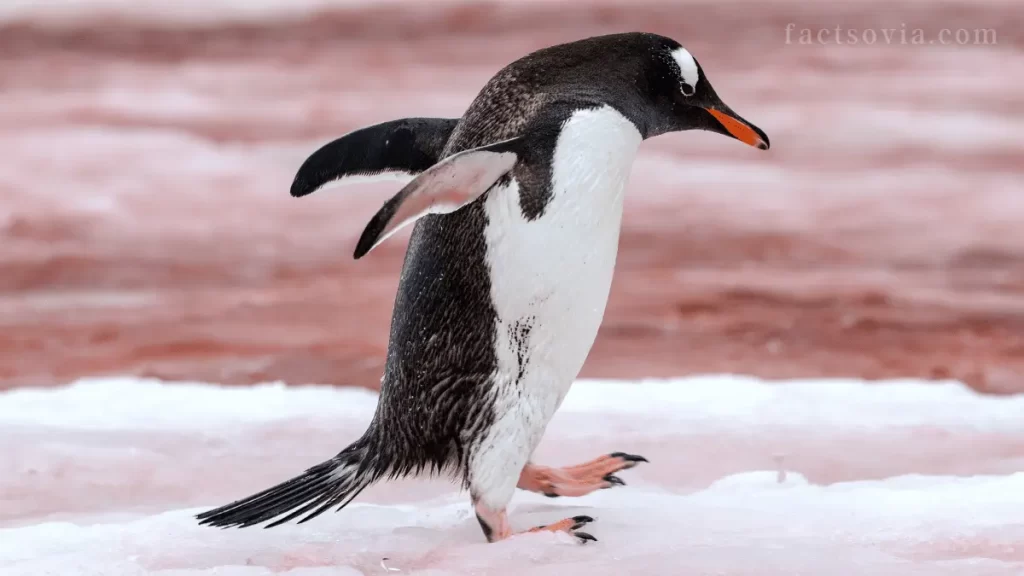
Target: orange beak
740,129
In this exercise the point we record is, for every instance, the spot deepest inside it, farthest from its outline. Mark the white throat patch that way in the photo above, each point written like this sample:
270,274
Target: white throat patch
687,66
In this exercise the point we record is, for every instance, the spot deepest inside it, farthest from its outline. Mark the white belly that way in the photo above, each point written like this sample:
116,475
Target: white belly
551,277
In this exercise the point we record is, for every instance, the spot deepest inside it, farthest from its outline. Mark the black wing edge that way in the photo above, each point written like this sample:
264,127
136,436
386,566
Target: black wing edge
409,145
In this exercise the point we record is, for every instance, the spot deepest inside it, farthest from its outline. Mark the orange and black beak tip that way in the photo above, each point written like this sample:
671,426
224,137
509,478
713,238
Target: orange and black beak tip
740,129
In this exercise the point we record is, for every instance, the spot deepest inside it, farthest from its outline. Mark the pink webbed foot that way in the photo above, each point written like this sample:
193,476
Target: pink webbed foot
496,527
578,480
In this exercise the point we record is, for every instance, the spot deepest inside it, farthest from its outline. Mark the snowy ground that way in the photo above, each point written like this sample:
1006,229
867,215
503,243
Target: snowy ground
745,477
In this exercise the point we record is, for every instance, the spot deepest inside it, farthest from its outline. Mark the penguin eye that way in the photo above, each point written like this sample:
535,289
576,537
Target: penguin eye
689,72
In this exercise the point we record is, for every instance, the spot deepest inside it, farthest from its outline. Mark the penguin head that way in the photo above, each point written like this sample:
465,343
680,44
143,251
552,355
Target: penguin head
682,98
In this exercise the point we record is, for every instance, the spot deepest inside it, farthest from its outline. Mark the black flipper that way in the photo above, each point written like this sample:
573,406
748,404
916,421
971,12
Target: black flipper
443,188
401,147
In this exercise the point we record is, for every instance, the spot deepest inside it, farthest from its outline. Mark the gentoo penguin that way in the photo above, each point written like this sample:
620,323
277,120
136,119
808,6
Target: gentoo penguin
517,209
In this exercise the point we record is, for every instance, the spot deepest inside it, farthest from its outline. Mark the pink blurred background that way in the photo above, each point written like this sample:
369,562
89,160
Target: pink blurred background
147,151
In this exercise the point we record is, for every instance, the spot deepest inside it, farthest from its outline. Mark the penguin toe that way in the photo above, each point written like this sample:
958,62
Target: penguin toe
613,481
570,525
629,457
584,537
630,460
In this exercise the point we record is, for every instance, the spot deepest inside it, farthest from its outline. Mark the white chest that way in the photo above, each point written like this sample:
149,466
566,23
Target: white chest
551,276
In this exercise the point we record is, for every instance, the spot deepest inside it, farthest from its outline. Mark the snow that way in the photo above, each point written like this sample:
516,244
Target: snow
183,12
837,477
188,12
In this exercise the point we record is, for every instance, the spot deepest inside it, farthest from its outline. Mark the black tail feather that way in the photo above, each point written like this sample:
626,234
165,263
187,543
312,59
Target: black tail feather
339,479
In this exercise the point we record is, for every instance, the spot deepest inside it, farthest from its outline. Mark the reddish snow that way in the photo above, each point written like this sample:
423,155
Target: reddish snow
146,227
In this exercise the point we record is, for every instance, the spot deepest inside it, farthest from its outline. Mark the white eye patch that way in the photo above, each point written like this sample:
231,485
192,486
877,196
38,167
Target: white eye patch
687,69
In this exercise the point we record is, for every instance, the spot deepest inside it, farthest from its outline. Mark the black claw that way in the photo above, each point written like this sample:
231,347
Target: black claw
628,457
488,532
583,536
551,495
614,480
582,518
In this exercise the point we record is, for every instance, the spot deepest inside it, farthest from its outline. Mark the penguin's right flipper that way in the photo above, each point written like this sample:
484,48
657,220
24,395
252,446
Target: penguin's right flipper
399,149
445,187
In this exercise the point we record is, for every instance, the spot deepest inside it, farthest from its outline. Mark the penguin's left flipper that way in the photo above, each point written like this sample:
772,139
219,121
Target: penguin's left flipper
578,480
397,150
443,188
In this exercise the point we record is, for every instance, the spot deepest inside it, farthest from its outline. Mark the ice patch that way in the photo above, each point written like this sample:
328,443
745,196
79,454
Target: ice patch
134,404
851,404
104,477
